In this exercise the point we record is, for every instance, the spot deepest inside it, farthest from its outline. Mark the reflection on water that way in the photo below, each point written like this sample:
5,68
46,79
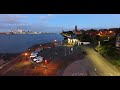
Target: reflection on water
19,43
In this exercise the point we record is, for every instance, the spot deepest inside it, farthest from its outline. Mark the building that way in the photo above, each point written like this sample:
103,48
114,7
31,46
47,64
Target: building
83,43
106,32
76,31
118,41
76,28
91,32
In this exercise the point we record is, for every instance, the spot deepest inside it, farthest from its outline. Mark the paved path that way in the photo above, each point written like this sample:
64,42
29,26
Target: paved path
80,68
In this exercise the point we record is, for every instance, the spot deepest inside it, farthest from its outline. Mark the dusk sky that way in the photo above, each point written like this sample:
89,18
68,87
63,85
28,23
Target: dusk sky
57,22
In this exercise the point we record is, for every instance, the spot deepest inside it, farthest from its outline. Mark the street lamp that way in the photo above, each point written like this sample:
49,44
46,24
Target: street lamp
98,45
26,54
46,62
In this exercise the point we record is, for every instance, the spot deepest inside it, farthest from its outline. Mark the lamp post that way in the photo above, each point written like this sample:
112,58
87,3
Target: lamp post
98,45
46,63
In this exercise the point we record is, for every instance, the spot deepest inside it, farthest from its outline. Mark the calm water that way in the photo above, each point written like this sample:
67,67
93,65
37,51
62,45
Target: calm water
19,43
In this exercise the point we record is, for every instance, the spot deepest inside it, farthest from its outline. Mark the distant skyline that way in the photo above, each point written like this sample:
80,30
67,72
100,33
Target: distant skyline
57,22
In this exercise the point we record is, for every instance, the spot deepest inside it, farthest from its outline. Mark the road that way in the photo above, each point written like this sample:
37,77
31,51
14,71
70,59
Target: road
80,68
101,66
93,64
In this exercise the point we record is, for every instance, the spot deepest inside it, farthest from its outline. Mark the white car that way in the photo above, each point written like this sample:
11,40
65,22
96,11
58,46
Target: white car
33,53
33,56
38,59
37,51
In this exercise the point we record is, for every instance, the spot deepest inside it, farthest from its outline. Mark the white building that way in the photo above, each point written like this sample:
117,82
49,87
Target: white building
72,41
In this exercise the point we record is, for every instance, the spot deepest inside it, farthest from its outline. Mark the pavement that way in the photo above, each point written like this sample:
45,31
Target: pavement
98,65
80,68
103,67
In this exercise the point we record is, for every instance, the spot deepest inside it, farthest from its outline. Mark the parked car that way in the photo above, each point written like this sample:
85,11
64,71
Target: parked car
32,56
37,51
38,59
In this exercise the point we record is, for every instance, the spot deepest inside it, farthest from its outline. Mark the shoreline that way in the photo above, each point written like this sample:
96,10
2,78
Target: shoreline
33,47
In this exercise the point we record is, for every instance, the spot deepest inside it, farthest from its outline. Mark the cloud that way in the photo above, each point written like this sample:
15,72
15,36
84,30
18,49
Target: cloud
46,17
14,21
43,18
6,19
50,15
9,21
12,18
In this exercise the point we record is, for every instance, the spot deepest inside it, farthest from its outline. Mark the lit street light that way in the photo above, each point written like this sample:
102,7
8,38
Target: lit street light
26,54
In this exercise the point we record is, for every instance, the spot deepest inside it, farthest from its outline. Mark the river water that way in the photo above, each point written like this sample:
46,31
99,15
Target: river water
20,42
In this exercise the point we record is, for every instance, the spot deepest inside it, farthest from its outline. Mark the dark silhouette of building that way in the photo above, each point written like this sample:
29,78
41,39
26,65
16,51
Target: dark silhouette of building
76,28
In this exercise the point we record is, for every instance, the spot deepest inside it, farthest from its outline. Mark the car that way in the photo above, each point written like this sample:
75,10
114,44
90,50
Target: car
33,53
85,53
38,59
37,51
35,59
33,56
